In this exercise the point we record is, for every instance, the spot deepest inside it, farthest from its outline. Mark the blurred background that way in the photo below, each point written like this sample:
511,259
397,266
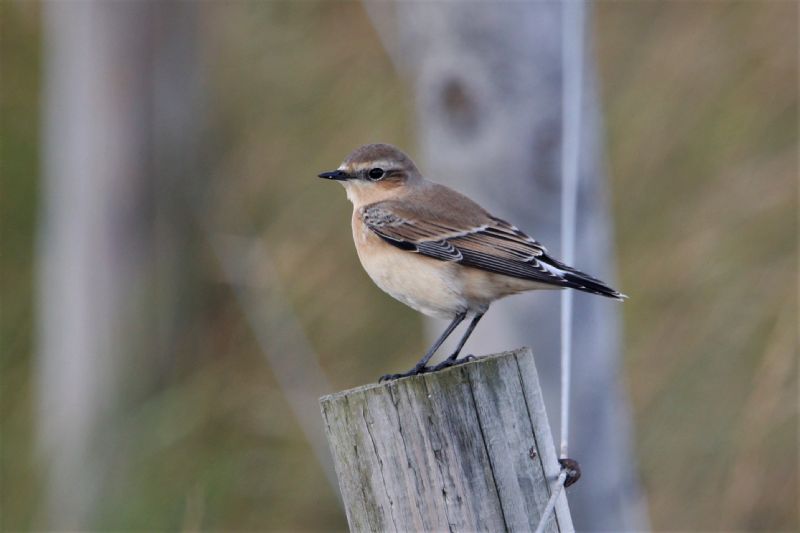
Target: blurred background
178,287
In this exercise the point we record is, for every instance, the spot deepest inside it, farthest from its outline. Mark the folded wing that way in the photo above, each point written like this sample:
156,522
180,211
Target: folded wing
480,241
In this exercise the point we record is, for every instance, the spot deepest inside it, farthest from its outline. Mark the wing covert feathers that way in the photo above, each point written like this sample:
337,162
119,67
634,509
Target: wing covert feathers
474,238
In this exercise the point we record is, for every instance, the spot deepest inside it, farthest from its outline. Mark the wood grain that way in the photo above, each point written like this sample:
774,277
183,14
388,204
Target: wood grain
465,449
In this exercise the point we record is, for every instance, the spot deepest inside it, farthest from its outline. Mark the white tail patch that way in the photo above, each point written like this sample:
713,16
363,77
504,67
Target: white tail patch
552,270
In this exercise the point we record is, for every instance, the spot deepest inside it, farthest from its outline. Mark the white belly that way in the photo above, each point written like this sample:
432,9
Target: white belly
424,284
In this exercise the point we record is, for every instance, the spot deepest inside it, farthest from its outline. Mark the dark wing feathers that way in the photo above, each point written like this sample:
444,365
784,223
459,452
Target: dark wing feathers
441,249
494,246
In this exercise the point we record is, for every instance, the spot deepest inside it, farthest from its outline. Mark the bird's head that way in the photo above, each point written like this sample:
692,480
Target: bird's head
374,172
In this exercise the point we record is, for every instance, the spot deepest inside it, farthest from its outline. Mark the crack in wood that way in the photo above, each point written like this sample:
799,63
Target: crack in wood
449,450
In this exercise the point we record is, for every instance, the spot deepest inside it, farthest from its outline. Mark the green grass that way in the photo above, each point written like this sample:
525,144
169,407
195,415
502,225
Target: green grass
701,121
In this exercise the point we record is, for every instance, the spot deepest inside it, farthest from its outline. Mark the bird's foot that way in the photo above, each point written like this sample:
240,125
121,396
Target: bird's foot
573,470
450,361
419,369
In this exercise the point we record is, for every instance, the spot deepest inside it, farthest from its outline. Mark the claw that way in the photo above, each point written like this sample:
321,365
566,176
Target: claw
413,372
447,363
417,370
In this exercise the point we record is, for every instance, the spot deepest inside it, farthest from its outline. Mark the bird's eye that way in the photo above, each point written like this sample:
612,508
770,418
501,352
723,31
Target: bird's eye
376,174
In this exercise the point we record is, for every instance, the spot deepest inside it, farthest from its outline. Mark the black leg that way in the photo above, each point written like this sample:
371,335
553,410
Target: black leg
450,361
420,366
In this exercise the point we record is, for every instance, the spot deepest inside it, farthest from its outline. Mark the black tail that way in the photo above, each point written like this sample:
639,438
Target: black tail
575,279
584,282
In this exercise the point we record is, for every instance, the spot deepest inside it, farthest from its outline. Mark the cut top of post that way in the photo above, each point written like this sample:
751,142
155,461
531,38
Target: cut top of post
468,448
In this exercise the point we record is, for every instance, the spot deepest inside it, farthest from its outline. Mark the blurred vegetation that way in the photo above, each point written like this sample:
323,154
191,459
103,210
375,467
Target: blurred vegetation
702,122
701,108
19,166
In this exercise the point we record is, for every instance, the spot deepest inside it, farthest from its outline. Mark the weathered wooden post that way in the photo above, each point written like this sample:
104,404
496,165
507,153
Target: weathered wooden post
465,449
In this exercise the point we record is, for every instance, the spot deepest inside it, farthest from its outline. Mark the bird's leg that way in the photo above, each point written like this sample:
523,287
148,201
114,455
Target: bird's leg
451,360
420,366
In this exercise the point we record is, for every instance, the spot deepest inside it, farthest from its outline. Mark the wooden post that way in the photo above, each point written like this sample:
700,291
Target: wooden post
465,449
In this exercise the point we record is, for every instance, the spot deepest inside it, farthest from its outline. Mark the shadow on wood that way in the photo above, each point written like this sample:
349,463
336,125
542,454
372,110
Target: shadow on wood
465,449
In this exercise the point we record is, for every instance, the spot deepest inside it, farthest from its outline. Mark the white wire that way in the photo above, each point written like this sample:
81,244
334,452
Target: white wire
551,503
571,103
572,45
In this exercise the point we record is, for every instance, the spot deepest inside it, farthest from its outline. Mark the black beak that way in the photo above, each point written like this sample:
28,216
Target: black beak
338,175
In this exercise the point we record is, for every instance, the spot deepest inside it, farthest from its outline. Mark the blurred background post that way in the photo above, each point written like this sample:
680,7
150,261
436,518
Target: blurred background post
489,111
153,377
121,122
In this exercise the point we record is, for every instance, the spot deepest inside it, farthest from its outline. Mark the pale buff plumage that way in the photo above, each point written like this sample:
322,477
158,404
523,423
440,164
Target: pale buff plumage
401,210
436,250
432,286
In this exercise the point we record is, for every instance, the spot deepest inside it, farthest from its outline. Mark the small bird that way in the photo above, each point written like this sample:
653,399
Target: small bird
439,252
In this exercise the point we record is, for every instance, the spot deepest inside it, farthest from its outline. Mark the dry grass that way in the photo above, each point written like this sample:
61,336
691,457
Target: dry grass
702,119
701,116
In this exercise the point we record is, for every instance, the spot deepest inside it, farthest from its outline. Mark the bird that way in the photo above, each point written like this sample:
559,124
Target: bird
439,252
